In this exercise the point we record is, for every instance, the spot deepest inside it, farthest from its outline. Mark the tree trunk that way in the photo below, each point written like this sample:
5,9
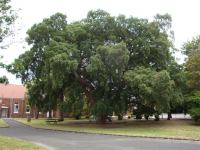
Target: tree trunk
50,113
146,117
36,113
138,116
90,97
101,119
169,115
120,116
86,85
61,114
32,112
157,117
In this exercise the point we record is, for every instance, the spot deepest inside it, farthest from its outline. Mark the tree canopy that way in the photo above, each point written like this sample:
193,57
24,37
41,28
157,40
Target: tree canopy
189,46
116,63
7,17
192,71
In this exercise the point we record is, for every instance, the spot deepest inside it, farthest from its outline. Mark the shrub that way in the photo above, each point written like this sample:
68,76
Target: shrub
195,113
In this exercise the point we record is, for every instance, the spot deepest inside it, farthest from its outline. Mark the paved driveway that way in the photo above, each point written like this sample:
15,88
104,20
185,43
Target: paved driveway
58,140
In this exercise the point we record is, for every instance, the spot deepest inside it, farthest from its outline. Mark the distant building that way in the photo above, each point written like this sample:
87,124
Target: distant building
12,101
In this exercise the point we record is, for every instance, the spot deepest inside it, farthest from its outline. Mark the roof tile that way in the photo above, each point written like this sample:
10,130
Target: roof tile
12,91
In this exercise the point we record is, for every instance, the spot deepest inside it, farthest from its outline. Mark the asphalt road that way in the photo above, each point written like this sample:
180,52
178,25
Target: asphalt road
58,140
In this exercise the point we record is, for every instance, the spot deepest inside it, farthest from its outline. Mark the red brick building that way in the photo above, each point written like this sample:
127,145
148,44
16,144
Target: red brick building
12,101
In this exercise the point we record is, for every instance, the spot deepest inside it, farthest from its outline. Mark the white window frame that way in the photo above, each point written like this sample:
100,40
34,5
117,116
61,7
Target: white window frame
28,112
16,111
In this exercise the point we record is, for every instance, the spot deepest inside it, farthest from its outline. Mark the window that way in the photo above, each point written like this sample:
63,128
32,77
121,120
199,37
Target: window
27,109
16,108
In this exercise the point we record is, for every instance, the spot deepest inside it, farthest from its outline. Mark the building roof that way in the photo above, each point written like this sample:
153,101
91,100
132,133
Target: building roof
12,91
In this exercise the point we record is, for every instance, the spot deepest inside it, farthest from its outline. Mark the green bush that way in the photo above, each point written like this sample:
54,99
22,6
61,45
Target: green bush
195,113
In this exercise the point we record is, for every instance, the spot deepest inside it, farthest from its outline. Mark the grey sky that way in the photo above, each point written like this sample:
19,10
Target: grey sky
185,15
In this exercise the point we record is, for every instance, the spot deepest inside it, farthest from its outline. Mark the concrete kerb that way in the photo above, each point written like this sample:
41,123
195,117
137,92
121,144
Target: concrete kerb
5,127
43,145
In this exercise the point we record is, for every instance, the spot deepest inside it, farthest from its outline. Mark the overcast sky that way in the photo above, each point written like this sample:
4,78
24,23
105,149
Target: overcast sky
185,15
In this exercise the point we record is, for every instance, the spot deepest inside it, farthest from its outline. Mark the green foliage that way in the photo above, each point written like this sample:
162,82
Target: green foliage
74,102
101,109
164,21
189,46
195,113
7,17
44,61
89,59
193,77
194,99
4,80
152,90
35,94
106,70
193,70
144,40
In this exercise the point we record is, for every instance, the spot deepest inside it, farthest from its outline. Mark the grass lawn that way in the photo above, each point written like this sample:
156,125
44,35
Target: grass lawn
178,129
3,124
7,143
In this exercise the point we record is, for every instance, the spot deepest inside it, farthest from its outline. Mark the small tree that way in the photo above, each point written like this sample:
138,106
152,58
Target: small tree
194,105
193,81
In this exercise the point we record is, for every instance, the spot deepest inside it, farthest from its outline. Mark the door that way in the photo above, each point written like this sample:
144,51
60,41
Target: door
4,112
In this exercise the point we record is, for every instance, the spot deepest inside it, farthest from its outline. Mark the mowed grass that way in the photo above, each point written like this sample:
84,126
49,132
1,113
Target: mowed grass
2,124
175,129
7,143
